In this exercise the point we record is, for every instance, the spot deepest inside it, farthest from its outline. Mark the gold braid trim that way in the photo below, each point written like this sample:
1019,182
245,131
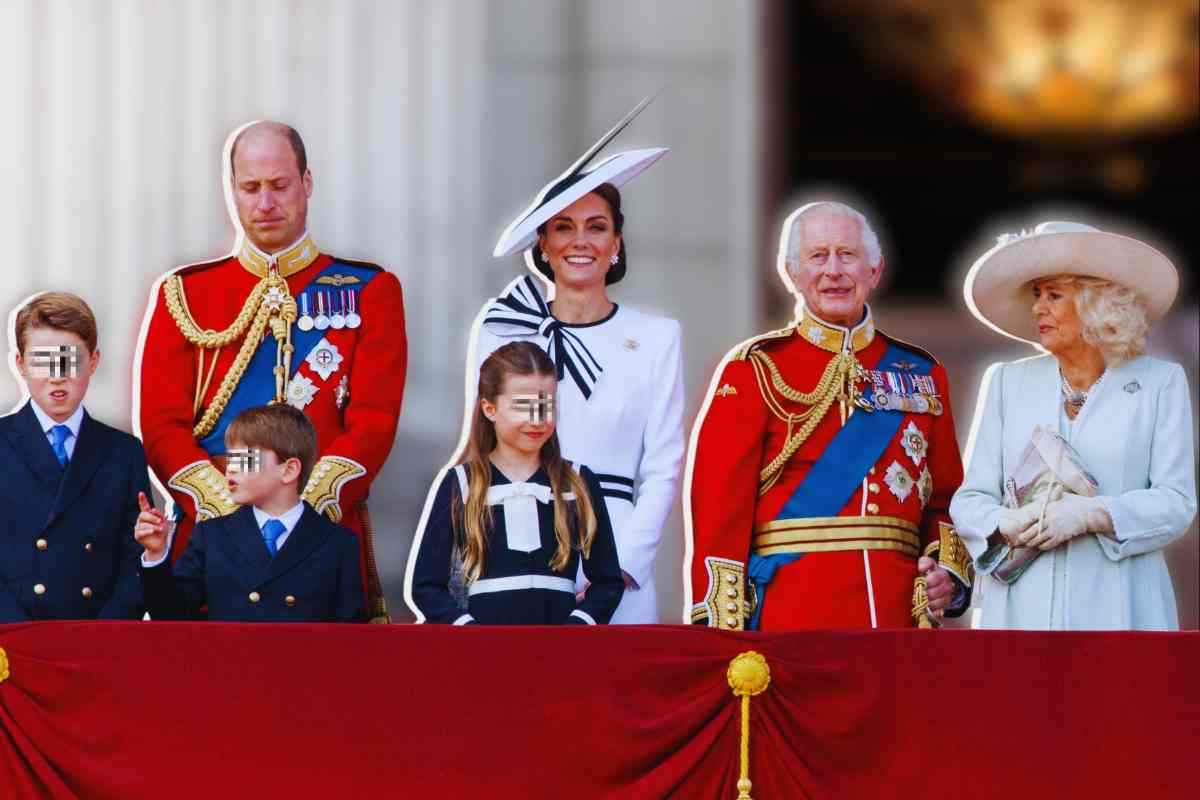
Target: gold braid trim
209,339
836,383
257,313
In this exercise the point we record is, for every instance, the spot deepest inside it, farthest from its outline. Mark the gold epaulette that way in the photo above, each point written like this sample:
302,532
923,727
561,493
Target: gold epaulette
325,484
742,352
207,487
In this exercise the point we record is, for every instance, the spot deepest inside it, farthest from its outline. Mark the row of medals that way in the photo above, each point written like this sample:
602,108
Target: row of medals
344,316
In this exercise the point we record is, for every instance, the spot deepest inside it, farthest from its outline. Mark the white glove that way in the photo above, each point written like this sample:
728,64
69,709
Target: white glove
1014,522
1067,517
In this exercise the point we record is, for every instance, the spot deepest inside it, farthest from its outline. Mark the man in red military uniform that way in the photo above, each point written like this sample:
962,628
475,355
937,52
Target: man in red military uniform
824,460
276,321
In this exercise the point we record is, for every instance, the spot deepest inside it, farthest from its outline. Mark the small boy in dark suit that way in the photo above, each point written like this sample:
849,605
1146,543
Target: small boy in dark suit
69,483
275,559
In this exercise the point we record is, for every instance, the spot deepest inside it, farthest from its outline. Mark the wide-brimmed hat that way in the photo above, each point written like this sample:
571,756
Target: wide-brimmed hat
573,184
997,287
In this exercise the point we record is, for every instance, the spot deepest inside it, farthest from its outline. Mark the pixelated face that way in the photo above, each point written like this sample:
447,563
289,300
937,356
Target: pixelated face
57,367
524,412
270,193
255,475
830,267
580,242
1057,317
540,407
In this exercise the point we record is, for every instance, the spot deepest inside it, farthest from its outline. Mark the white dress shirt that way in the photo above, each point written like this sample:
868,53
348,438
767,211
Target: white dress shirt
72,422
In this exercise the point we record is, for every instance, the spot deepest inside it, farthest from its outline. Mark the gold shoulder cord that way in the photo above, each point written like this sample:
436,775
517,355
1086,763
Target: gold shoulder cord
269,303
836,383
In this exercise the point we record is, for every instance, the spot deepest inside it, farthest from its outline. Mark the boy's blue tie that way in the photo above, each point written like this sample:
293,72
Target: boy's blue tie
61,433
271,531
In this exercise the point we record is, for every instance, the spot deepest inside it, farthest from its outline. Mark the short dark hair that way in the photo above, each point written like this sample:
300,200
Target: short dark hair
294,139
60,311
282,429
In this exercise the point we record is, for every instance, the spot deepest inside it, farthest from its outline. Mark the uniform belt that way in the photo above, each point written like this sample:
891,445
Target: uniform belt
517,582
830,534
616,486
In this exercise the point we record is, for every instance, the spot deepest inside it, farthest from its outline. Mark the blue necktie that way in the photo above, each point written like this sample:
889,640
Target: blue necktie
61,433
271,531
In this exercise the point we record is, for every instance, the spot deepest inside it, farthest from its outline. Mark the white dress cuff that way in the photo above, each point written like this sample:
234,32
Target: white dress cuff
583,615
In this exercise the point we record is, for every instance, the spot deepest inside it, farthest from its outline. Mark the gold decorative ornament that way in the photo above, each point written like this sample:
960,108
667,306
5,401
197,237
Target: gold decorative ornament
748,676
4,673
269,305
952,556
207,487
329,475
920,604
726,391
726,587
839,382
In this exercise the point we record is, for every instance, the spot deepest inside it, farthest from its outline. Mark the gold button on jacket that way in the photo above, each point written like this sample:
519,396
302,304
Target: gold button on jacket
41,544
255,597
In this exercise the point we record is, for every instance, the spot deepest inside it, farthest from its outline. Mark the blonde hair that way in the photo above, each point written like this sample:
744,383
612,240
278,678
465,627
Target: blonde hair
1113,316
473,522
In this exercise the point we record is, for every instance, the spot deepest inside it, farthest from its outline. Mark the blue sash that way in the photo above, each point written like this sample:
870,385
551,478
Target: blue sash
839,471
257,386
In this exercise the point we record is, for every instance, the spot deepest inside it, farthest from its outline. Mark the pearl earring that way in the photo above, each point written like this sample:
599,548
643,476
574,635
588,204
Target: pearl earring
615,258
544,259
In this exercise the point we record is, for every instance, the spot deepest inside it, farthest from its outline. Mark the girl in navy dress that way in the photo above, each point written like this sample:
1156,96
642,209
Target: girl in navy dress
517,515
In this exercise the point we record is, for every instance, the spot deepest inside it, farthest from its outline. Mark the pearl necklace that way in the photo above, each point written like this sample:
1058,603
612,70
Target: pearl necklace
1073,399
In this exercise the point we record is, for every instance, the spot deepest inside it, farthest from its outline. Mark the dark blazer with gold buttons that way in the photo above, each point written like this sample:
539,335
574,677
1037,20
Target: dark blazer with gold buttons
313,578
66,535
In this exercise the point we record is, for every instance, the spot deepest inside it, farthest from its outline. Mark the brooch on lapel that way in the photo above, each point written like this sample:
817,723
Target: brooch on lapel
1133,387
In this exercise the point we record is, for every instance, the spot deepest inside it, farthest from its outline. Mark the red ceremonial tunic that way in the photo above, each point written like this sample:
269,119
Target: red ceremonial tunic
859,568
359,429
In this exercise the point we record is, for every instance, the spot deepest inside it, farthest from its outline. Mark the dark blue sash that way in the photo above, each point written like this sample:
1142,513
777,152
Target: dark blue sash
257,386
839,471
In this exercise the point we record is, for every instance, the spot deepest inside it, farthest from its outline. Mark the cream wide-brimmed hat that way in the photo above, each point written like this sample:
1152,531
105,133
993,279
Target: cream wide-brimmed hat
997,287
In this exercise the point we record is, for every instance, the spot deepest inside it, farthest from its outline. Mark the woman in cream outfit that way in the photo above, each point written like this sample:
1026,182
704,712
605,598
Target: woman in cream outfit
1086,297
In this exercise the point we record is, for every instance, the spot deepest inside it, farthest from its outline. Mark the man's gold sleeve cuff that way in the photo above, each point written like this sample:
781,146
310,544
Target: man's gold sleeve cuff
725,605
207,487
325,484
952,554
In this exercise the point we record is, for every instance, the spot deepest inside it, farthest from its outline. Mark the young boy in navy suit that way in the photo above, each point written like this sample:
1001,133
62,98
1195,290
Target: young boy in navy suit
69,483
275,559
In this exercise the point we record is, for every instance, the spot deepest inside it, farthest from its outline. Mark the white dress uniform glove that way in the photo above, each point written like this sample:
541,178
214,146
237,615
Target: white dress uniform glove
1067,517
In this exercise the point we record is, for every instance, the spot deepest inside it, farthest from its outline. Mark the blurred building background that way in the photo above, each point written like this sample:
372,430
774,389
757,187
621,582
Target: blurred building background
429,125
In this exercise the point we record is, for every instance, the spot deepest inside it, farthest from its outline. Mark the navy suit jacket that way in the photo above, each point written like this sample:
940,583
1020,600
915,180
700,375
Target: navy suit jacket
69,532
313,578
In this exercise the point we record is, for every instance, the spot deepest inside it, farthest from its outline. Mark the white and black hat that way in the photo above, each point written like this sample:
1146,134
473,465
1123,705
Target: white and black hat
573,184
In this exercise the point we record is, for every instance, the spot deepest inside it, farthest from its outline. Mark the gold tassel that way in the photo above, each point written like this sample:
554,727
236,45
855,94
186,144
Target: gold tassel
748,675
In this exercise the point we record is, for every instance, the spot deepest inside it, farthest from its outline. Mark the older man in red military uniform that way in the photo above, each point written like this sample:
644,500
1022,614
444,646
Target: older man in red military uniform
276,321
823,462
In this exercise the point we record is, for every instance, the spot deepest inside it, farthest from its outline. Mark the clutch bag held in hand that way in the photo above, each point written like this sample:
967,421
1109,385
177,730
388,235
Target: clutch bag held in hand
1049,467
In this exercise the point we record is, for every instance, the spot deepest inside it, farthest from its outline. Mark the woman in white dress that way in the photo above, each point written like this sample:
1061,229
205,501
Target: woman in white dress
1086,297
620,396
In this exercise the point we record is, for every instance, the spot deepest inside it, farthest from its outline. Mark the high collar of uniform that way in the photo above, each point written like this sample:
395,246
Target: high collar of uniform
837,338
290,260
